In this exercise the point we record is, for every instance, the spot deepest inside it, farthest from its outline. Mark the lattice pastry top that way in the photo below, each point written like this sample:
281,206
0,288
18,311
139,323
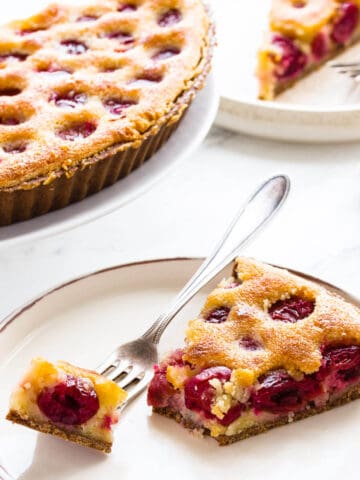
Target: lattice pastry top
265,318
77,80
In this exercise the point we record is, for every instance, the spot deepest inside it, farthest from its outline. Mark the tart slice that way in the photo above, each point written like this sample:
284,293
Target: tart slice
303,34
268,348
69,402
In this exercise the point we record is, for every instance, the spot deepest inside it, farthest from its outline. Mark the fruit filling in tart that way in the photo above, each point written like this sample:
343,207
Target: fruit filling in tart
268,348
302,35
67,401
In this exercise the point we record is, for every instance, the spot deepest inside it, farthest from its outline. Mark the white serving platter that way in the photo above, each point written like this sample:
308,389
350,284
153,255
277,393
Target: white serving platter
84,320
324,107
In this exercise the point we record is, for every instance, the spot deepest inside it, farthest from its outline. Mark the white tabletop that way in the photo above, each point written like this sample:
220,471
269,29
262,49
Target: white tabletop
317,231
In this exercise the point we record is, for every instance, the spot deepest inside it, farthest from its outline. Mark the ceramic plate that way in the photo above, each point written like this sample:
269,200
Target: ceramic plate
188,136
85,319
323,107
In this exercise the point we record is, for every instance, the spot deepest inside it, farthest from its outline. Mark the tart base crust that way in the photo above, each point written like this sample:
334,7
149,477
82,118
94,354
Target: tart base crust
350,395
75,437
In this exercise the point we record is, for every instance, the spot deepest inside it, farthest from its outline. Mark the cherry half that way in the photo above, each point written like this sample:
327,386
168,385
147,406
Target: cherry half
280,393
346,23
166,53
218,315
292,61
116,106
70,99
72,402
169,18
200,394
292,309
77,131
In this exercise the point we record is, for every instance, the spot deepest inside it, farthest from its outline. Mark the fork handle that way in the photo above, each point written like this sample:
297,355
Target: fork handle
249,220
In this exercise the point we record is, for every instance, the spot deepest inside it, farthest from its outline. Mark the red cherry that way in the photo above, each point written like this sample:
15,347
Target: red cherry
170,18
77,131
9,92
73,402
70,99
147,78
280,393
116,106
319,46
293,60
14,148
160,390
127,7
200,394
218,315
17,56
250,343
346,23
124,38
166,54
9,120
341,363
292,309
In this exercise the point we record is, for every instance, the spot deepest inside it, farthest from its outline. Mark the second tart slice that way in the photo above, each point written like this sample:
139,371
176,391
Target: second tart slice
302,35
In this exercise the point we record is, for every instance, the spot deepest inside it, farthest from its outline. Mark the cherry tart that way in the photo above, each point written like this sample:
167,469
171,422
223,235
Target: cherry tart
302,35
67,401
88,93
268,348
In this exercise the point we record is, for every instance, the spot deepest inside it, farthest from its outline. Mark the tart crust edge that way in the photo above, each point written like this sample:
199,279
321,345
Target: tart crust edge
72,436
351,394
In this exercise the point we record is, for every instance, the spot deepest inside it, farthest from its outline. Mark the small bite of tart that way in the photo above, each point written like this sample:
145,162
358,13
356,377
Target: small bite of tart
67,401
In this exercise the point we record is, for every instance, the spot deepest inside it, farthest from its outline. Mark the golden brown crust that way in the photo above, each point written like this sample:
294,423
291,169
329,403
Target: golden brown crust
72,436
46,152
352,394
295,347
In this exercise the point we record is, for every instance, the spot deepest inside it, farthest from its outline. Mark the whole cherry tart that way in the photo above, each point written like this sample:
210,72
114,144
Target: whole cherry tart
107,82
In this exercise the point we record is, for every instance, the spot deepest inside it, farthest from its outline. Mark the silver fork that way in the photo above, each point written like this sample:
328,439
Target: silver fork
130,365
350,69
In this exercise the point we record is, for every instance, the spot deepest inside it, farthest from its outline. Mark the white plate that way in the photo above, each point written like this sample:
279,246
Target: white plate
188,136
81,322
324,107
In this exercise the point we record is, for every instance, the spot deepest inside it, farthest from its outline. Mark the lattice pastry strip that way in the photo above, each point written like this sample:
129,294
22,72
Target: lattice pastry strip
293,346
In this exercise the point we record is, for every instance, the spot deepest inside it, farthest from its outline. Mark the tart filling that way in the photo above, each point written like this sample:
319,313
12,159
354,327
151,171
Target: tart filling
216,398
303,35
76,404
268,348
